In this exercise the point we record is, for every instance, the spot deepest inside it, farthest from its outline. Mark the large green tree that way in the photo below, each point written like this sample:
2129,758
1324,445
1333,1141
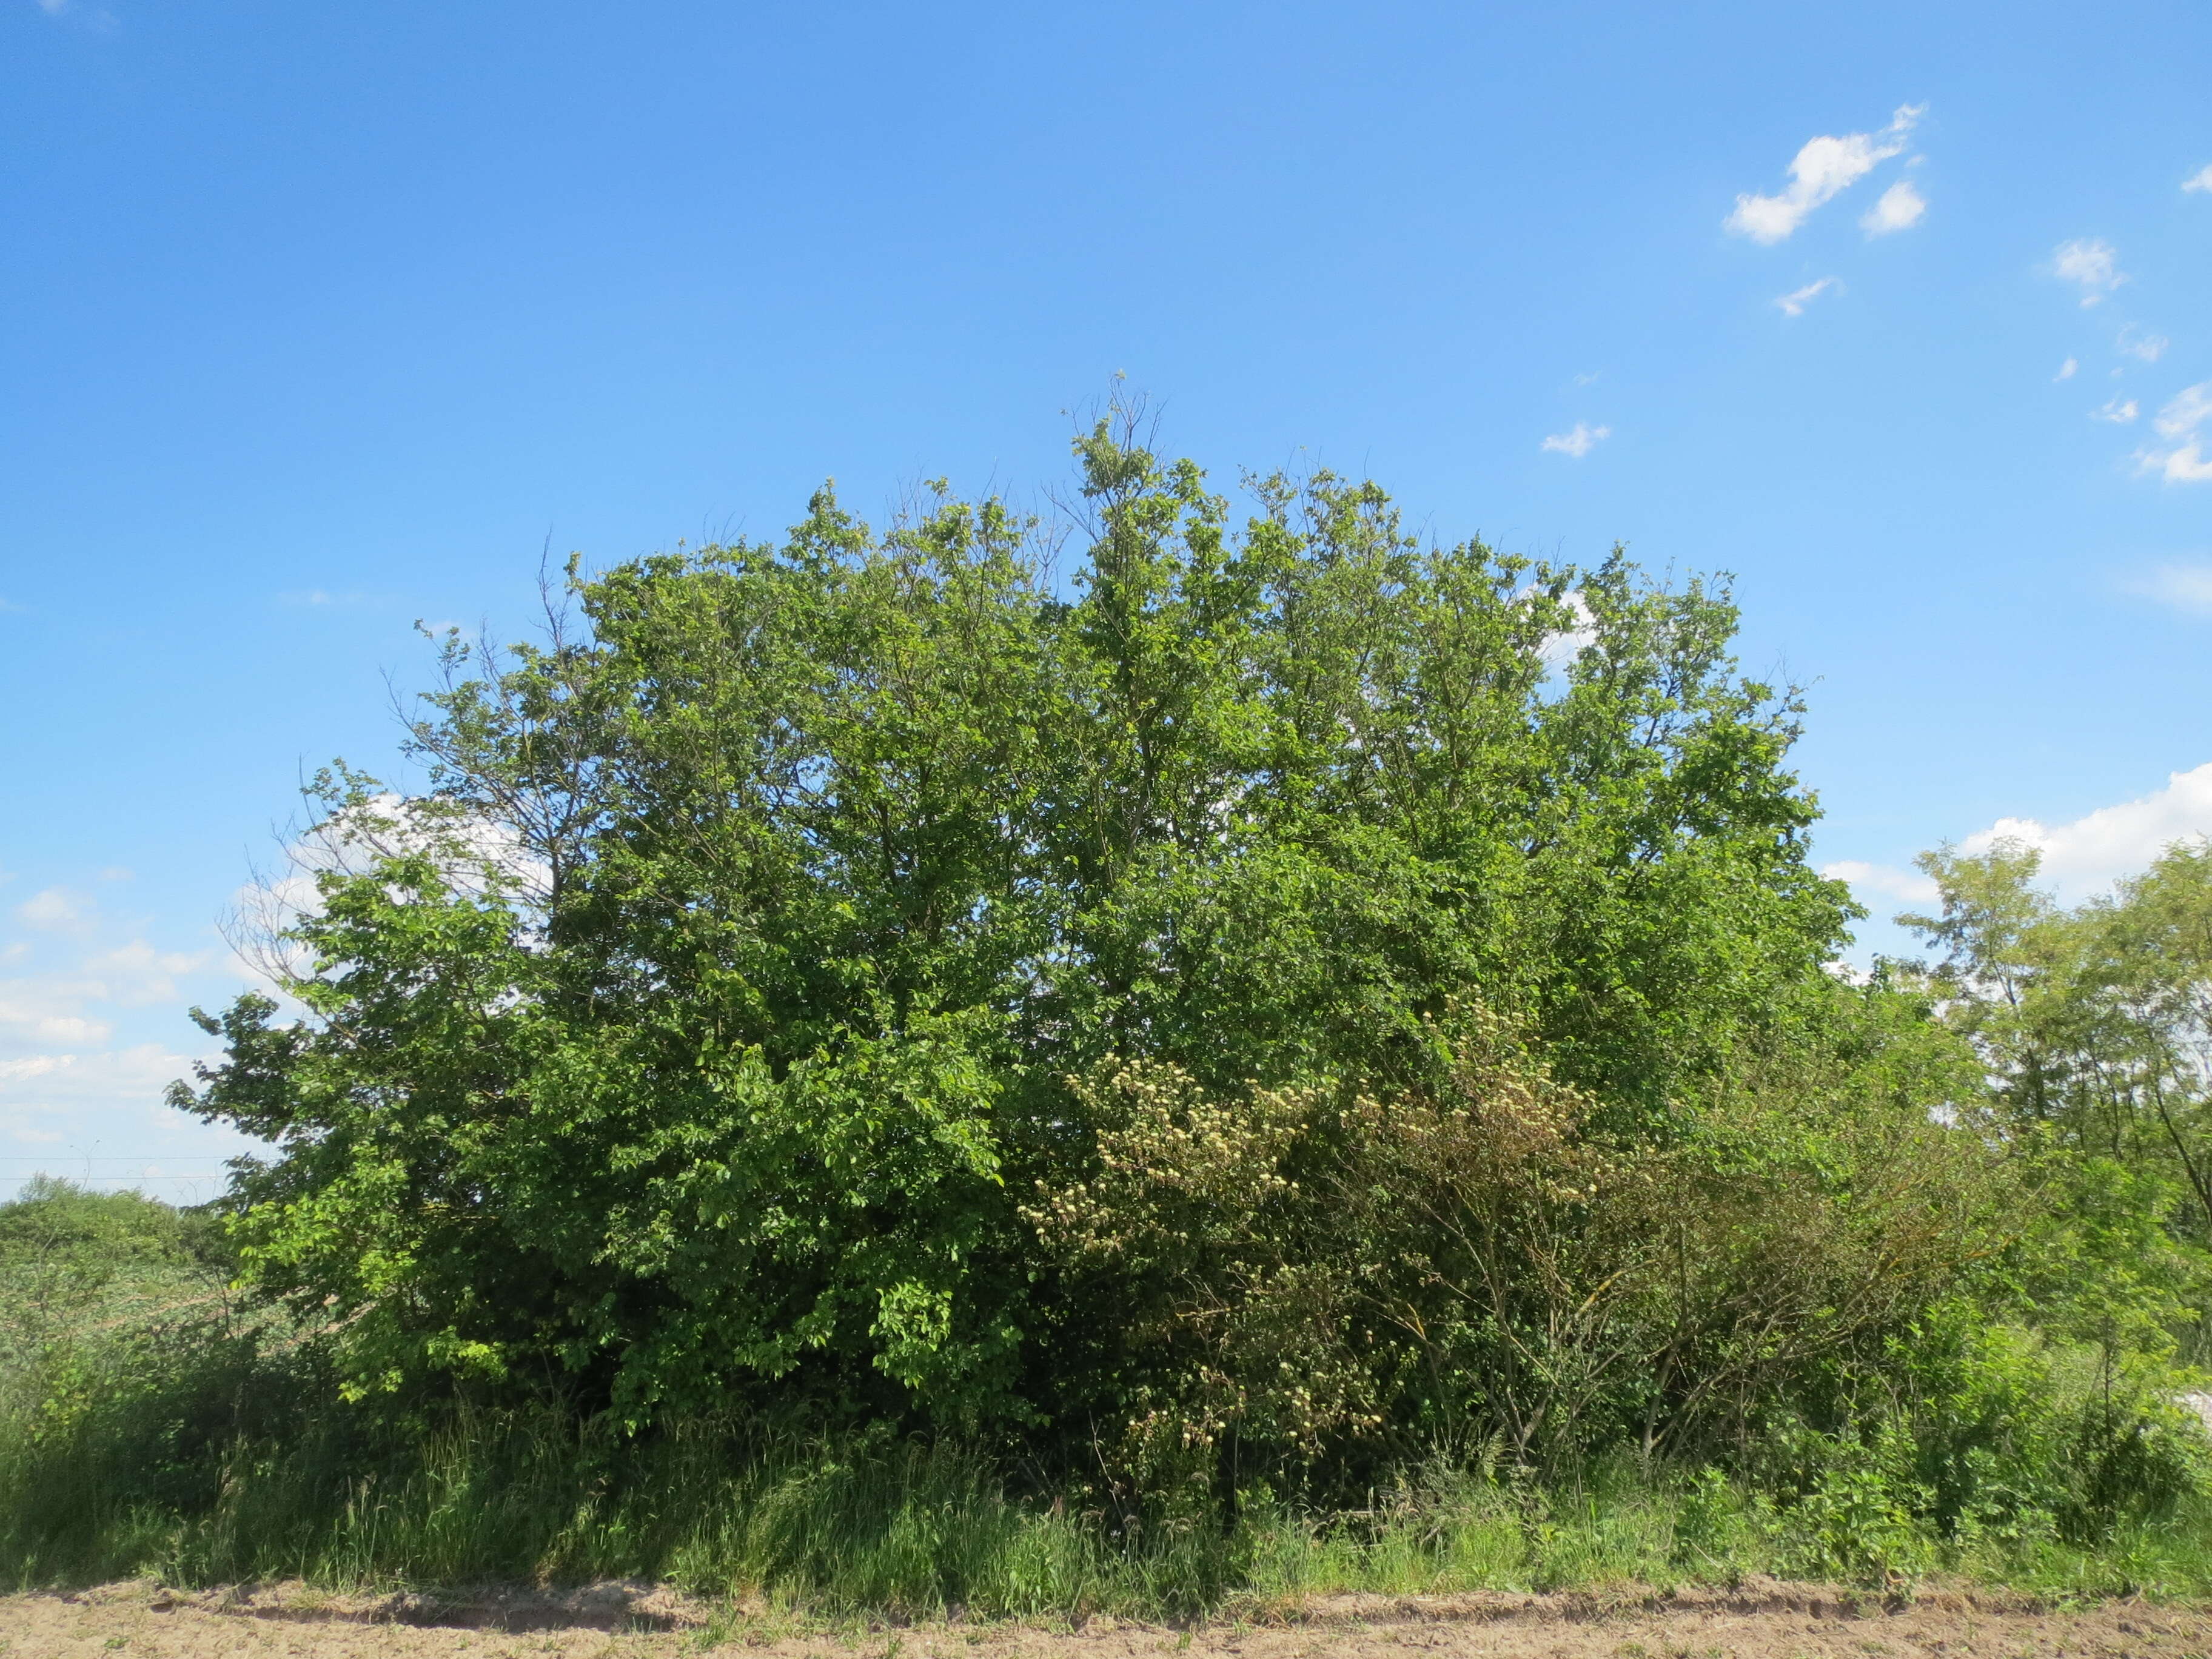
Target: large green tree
758,958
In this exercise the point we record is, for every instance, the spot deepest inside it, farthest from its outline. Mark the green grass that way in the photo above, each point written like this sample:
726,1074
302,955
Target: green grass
903,1529
1623,1527
910,1531
145,1428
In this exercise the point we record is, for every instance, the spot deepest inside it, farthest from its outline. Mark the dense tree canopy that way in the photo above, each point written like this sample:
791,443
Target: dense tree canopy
1283,980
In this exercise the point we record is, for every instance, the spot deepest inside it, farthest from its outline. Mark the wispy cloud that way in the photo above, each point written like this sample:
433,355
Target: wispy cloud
98,20
2066,370
136,974
34,1065
1900,208
78,994
1793,303
59,1080
2149,348
1579,442
43,1012
2187,410
2092,263
1824,168
2183,586
63,1004
2118,413
52,911
2181,424
2200,179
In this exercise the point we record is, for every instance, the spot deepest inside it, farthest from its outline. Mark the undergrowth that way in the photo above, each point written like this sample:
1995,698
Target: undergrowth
910,1530
150,1426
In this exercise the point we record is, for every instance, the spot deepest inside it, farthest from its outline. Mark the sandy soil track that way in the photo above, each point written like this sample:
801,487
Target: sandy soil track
1760,1621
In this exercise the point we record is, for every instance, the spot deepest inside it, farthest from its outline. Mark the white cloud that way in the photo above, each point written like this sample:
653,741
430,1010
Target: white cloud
2093,263
2183,586
2149,348
2066,370
52,911
1578,442
34,1009
2088,854
45,1008
1561,649
2183,464
2186,412
92,1031
103,1114
1884,880
53,8
34,1065
475,855
1793,303
136,974
2117,412
2200,179
1825,167
2179,420
1900,208
143,1069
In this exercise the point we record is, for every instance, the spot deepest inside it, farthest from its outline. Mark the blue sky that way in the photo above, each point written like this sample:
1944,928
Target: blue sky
321,319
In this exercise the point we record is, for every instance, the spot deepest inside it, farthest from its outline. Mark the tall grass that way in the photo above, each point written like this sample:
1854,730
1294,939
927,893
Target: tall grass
902,1529
146,1428
913,1531
908,1529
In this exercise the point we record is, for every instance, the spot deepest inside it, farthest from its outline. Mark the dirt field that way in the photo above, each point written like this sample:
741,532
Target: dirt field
1762,1621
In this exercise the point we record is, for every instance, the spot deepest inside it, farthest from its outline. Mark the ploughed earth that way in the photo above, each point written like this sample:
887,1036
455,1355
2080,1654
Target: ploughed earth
1756,1620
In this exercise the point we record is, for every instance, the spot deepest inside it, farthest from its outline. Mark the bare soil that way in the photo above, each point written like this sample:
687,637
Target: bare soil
1759,1621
